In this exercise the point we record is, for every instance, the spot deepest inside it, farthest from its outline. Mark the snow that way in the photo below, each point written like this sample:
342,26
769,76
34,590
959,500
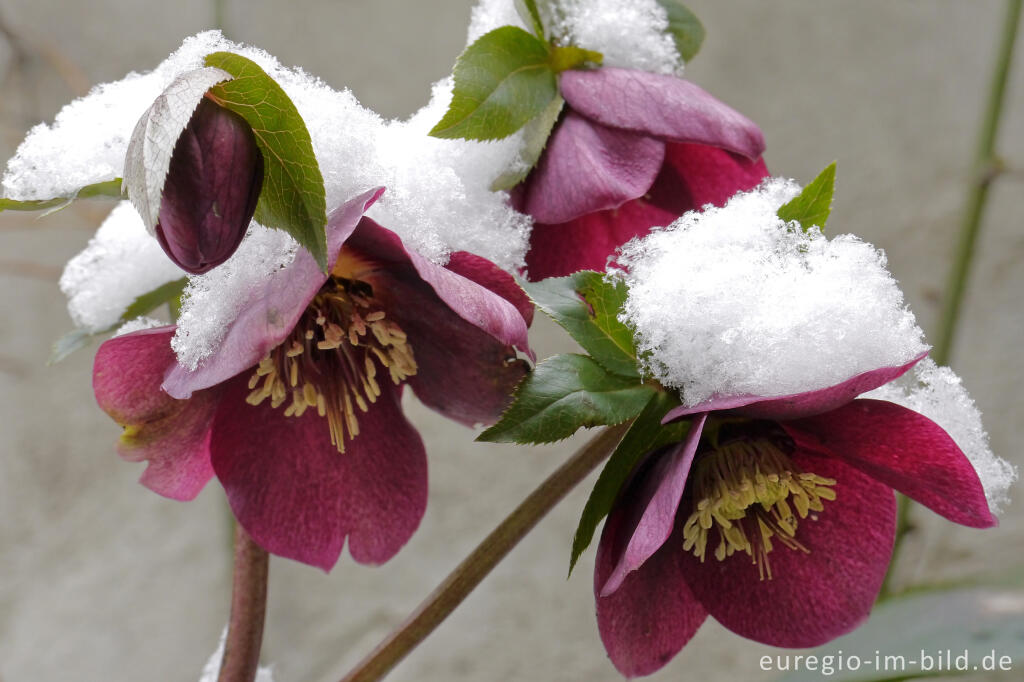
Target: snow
119,264
734,301
629,33
939,394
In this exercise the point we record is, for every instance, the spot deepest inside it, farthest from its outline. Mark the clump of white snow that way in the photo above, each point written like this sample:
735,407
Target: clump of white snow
120,263
630,34
214,299
735,301
212,668
938,393
438,198
138,324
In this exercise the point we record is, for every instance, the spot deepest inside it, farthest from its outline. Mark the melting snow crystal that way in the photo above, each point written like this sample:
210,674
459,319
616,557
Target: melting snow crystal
734,301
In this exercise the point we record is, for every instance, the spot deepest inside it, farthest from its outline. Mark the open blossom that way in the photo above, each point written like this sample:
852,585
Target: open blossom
633,150
297,411
776,514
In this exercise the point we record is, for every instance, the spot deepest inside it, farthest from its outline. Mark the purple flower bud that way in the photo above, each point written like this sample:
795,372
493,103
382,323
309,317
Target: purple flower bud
211,189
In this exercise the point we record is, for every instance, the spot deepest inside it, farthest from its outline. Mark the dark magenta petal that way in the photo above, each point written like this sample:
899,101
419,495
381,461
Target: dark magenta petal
797,405
904,450
692,176
662,106
463,335
658,496
272,310
172,435
211,189
487,274
815,597
298,497
653,614
589,167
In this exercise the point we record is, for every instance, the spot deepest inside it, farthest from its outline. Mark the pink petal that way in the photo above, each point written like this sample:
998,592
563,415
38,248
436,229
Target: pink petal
463,336
797,405
658,497
662,106
693,175
588,167
172,435
653,614
488,275
272,310
812,598
902,449
298,497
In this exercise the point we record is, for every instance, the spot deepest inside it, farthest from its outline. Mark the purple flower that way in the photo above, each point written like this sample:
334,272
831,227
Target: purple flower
211,189
775,515
298,411
633,150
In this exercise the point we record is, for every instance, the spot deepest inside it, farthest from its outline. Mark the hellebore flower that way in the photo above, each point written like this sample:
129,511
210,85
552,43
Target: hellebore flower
211,189
297,411
776,516
633,150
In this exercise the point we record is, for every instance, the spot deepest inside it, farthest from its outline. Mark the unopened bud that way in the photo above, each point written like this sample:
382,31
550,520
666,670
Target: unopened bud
211,189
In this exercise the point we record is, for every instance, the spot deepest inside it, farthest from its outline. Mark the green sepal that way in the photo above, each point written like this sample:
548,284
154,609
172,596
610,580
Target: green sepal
587,304
293,197
502,81
645,435
812,206
564,393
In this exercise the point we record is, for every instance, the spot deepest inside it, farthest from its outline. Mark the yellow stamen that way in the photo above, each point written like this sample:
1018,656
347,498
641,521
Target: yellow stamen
330,362
750,492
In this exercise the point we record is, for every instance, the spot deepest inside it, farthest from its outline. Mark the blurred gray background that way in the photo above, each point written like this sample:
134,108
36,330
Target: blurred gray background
100,579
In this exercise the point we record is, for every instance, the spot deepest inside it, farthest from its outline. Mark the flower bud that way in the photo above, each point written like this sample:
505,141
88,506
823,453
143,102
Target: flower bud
211,189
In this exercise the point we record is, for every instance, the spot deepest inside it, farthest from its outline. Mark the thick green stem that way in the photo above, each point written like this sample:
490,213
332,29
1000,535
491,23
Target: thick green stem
986,169
474,568
248,611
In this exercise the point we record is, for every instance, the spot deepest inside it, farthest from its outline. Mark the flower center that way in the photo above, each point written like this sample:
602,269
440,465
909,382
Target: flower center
329,363
747,491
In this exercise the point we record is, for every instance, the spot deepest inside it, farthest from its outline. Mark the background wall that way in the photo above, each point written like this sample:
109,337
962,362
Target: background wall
102,580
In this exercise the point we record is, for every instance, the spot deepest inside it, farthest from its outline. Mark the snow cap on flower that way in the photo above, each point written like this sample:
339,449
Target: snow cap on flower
938,393
735,301
629,33
437,201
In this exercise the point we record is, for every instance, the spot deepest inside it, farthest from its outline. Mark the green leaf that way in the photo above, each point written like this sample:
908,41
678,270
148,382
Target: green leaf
976,623
76,339
812,206
110,188
587,305
646,434
535,138
527,10
684,27
293,188
564,393
502,81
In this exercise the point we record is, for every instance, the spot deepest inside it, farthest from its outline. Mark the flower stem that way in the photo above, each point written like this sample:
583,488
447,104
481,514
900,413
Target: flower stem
248,608
475,567
986,168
